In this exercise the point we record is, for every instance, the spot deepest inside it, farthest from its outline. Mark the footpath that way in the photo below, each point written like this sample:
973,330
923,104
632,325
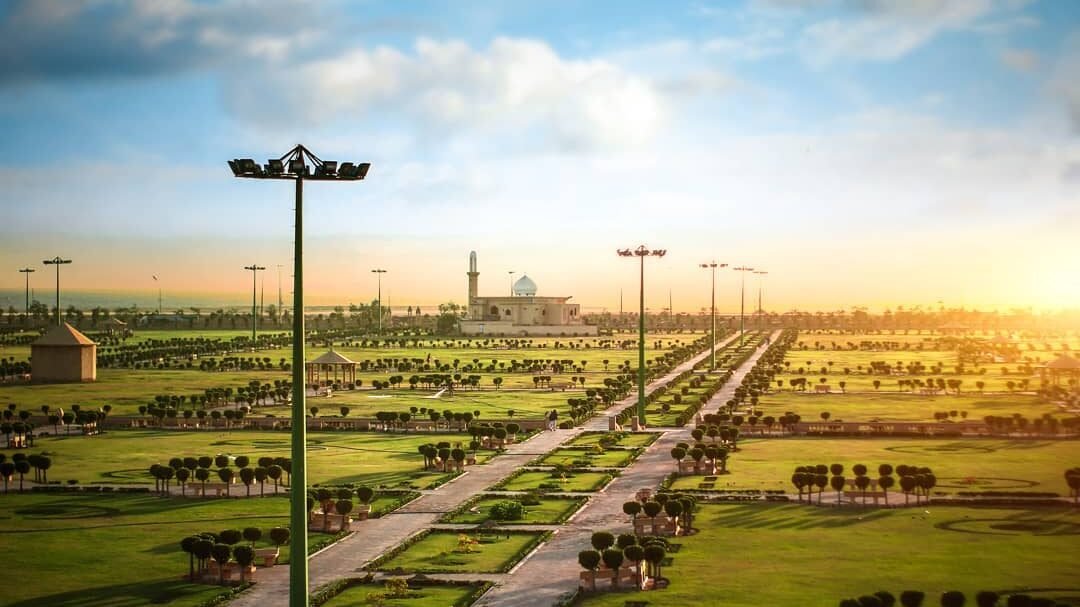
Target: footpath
551,573
373,537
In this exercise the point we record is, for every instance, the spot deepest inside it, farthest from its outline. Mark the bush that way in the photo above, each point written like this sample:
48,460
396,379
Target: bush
602,540
506,510
589,559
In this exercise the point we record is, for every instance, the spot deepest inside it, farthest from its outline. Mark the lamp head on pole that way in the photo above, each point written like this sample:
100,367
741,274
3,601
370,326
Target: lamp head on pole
299,163
55,261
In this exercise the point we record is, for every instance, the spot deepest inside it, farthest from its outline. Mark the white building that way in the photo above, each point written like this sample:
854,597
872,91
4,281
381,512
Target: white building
521,313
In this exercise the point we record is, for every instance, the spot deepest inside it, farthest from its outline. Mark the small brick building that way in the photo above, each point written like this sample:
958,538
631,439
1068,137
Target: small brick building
63,354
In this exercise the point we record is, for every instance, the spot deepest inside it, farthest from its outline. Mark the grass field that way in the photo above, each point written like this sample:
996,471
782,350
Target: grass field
893,406
550,511
577,481
587,458
428,595
442,552
991,464
798,555
126,389
627,439
125,456
134,540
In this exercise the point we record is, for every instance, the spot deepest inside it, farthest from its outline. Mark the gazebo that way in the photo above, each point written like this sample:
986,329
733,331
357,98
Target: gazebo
63,354
1063,365
114,326
328,366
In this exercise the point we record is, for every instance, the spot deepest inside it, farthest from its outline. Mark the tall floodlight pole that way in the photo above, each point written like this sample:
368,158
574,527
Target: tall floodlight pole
760,310
379,272
280,305
57,261
742,301
255,269
641,253
28,272
158,283
712,265
511,273
294,166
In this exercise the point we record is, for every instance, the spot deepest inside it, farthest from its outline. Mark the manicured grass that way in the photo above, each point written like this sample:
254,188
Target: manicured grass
125,456
575,481
851,552
894,406
550,510
1017,464
611,458
361,595
626,439
438,552
102,550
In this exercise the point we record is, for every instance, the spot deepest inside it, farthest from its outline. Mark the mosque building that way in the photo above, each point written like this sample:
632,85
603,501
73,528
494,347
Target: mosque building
521,313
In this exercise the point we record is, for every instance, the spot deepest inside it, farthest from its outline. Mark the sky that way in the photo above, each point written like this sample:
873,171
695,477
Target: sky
862,152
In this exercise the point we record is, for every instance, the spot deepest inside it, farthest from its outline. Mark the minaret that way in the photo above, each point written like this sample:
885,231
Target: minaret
474,277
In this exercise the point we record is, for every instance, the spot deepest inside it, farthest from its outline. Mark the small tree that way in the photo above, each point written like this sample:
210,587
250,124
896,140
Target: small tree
986,598
364,494
252,534
590,561
188,545
343,507
245,556
602,540
912,598
655,554
247,476
837,483
275,472
279,536
678,454
226,475
613,558
953,598
221,553
631,509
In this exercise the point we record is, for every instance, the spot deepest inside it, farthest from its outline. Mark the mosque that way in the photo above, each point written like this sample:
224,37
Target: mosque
521,313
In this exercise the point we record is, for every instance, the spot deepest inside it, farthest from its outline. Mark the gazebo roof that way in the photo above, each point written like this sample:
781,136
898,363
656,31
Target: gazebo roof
63,335
1064,362
114,321
331,358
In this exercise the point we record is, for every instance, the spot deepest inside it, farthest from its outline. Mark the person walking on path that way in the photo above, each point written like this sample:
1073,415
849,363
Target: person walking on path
553,419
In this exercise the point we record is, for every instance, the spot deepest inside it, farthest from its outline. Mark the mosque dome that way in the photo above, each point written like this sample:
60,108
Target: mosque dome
524,287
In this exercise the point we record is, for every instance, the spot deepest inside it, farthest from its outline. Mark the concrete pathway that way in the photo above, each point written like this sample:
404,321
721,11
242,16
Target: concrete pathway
551,573
373,537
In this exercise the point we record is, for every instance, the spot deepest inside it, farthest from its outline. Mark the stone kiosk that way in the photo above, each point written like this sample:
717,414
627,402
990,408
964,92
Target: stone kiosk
63,354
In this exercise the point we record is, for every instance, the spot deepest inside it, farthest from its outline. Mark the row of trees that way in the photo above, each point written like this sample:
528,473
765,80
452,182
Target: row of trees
613,552
913,480
22,464
949,598
337,502
187,469
222,547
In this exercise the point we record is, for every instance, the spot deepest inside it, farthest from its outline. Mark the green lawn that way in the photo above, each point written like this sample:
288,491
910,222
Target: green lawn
429,595
588,458
625,439
760,554
894,406
439,552
1015,465
125,456
550,510
576,481
134,541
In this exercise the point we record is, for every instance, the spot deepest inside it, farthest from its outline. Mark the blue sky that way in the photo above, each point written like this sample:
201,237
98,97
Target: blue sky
865,152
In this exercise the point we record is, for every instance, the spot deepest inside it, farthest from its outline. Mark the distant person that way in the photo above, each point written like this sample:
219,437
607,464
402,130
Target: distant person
553,419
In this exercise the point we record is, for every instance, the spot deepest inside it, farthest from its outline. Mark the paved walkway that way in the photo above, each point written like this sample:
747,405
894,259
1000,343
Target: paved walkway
551,572
373,537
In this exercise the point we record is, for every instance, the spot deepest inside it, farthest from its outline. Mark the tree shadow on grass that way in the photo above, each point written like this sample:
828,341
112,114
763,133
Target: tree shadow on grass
793,517
155,592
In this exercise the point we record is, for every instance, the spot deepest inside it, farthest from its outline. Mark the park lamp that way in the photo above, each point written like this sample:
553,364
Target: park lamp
742,301
296,165
56,261
641,253
712,265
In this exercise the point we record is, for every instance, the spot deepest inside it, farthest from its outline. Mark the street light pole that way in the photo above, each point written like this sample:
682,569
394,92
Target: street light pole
28,272
712,265
57,261
379,273
154,276
511,273
760,310
641,253
742,301
298,171
254,310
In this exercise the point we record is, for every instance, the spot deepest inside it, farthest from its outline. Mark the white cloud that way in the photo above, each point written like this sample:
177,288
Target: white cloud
514,86
759,43
1021,60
